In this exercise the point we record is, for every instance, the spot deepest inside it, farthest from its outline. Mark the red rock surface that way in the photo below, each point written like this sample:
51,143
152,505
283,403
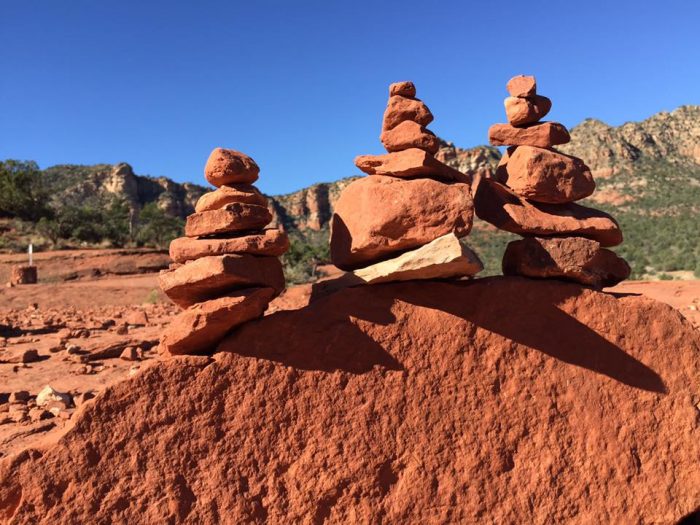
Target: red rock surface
378,216
498,205
541,135
409,163
523,111
543,175
404,89
199,328
210,277
409,134
572,258
522,86
401,108
227,166
233,217
504,400
269,242
244,193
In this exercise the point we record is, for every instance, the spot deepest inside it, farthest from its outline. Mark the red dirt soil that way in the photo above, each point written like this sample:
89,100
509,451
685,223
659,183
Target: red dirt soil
501,400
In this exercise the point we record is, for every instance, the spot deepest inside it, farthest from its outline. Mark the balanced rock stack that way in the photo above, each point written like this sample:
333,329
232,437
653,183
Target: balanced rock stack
226,269
404,221
533,194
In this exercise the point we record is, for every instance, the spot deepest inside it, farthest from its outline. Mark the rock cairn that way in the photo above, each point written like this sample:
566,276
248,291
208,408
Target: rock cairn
226,269
533,194
404,221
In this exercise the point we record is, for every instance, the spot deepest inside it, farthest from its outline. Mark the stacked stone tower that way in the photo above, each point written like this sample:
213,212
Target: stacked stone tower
533,195
404,221
226,269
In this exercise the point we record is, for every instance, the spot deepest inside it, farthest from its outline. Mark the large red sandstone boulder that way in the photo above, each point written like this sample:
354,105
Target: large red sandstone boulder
228,166
503,400
243,193
543,175
409,134
378,216
409,163
233,217
401,108
211,277
541,135
572,258
498,205
270,242
200,328
523,111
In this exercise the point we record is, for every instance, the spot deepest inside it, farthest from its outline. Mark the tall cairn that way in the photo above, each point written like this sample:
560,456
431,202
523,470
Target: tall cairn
405,219
533,194
226,269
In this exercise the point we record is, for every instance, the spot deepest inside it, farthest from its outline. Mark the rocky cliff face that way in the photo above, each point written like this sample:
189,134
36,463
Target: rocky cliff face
670,137
73,183
503,400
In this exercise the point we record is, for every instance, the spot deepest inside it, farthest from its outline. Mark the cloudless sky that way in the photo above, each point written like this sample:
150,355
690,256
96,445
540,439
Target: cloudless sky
301,85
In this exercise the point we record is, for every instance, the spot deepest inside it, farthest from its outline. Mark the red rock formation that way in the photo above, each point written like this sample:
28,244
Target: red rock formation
533,195
502,400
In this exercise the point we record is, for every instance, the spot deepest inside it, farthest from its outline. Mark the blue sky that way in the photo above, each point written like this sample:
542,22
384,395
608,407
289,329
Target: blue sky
301,86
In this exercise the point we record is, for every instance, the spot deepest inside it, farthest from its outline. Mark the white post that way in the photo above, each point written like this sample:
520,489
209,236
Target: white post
31,252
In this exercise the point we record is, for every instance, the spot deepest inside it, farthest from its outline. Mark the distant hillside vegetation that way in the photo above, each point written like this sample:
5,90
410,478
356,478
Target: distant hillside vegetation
648,176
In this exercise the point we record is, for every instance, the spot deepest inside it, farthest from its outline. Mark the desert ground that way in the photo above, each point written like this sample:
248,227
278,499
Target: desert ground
95,317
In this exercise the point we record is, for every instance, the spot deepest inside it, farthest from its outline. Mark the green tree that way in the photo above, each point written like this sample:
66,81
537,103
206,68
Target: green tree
157,228
22,193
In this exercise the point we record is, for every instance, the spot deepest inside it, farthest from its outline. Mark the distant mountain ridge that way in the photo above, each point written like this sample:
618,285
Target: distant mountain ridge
648,175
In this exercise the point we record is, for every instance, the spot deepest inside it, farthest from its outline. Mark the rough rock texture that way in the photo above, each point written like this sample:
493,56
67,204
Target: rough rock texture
243,193
23,274
574,258
500,400
227,166
401,108
443,258
541,135
522,86
522,111
200,327
234,217
672,137
543,175
210,277
269,242
378,216
409,134
412,162
496,204
404,89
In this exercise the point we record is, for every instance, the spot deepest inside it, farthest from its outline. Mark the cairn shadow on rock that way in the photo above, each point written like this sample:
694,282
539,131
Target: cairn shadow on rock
536,322
543,326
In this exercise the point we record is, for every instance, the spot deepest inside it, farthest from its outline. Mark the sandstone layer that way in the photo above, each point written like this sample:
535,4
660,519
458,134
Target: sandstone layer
269,242
409,163
443,258
502,400
209,277
540,134
233,217
498,205
572,258
203,325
